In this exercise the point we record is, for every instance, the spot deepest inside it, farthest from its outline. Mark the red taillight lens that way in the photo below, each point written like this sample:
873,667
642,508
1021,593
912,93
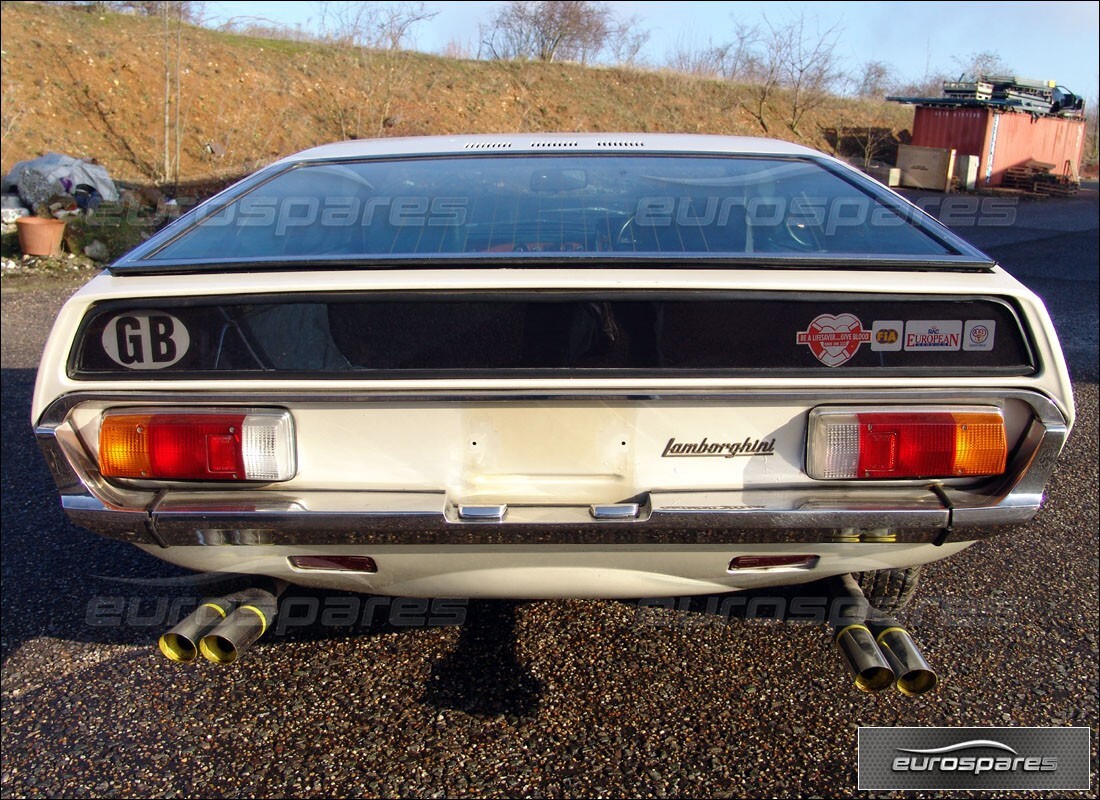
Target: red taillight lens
208,446
912,442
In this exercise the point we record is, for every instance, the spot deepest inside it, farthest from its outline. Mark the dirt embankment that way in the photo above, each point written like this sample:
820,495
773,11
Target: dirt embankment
93,85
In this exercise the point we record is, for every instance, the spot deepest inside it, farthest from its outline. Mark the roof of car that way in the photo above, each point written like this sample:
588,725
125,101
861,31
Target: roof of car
554,142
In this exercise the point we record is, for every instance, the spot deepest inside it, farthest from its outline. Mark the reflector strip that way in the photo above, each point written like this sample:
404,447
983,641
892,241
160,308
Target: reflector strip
772,563
341,563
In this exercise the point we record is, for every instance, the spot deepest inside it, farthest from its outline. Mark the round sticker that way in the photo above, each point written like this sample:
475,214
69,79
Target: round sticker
145,340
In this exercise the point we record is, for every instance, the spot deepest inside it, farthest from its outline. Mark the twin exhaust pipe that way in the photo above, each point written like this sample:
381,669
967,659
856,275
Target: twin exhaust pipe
223,628
877,649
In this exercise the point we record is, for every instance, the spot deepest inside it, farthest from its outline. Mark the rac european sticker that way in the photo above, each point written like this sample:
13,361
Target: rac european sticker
145,340
933,334
834,339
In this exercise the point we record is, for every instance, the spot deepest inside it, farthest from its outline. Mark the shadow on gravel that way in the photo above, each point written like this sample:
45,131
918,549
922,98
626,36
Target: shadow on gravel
482,675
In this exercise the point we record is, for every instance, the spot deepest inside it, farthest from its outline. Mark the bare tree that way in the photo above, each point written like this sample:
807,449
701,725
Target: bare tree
457,48
876,80
626,40
738,57
373,39
789,59
263,28
187,10
981,64
765,73
972,67
379,26
928,85
809,69
172,14
692,58
732,60
548,30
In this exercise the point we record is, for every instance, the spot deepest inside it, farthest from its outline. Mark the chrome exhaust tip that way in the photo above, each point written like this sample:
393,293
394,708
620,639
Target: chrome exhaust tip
914,675
233,635
869,667
181,643
877,648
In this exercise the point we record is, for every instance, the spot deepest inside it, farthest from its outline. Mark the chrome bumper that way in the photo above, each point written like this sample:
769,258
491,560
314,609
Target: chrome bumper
932,513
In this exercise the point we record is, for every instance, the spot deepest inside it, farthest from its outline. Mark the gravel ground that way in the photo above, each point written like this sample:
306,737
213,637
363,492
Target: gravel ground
566,698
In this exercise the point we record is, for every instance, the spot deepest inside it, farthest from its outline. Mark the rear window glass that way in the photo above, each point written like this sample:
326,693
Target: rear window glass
538,206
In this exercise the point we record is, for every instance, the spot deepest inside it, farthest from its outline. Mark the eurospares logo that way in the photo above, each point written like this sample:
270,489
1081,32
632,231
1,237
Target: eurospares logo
974,758
954,758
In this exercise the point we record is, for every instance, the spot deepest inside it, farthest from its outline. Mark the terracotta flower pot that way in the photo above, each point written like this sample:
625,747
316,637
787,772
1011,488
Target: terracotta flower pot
39,236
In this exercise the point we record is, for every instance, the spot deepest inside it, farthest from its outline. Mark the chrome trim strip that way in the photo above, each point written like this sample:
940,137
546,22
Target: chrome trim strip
1020,491
813,513
69,468
262,395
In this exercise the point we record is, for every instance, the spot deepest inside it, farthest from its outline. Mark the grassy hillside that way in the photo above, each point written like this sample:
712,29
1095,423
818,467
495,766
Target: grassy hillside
92,85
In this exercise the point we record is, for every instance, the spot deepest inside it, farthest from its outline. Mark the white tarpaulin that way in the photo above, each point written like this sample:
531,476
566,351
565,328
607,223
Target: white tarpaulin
64,171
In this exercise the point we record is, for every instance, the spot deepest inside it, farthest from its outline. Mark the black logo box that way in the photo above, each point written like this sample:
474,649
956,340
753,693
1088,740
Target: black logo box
974,759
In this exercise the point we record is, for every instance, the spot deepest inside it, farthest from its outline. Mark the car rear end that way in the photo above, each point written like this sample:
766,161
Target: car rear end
615,395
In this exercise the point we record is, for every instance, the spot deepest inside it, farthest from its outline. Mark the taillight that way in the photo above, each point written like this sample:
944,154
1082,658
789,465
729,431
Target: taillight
906,442
209,445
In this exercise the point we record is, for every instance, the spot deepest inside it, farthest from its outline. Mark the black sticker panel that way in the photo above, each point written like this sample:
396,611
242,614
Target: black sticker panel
635,334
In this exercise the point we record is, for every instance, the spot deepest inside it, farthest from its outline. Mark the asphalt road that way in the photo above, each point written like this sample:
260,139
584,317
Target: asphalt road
551,699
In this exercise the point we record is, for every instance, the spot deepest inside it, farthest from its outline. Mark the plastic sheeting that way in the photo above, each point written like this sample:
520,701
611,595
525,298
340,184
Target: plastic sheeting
62,173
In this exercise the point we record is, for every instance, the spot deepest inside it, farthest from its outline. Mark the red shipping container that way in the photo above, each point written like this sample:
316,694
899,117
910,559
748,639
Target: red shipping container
1002,139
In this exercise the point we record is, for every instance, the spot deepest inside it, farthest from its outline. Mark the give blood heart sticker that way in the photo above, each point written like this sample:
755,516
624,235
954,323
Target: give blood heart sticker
834,339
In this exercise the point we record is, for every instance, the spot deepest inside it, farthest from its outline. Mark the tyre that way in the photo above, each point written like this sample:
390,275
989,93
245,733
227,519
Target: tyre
889,590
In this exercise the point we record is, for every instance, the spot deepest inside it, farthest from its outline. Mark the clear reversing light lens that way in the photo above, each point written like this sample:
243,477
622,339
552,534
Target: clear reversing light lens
207,445
906,442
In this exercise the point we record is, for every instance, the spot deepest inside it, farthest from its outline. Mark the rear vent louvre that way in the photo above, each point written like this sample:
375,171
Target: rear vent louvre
554,144
487,145
620,144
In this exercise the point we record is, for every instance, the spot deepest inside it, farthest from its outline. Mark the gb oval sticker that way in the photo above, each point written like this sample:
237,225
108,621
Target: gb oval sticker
145,340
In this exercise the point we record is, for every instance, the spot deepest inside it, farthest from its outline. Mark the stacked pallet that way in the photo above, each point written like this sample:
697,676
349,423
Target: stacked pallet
1037,177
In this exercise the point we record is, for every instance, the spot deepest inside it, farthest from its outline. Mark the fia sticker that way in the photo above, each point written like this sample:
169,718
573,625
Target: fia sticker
886,335
834,339
978,334
145,340
933,334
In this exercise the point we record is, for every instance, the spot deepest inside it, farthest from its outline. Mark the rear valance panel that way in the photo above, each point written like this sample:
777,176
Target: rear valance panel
386,335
